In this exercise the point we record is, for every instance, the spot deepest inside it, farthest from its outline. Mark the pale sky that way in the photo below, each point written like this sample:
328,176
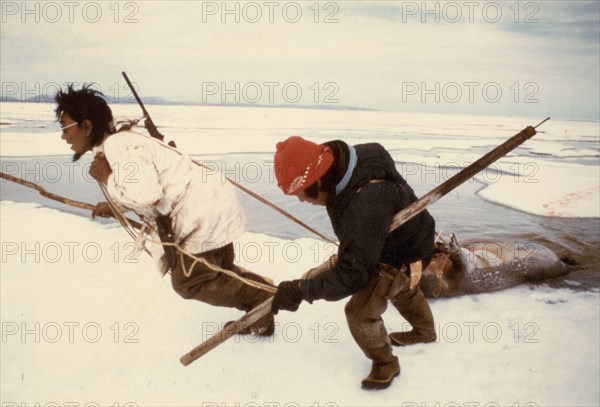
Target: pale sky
526,58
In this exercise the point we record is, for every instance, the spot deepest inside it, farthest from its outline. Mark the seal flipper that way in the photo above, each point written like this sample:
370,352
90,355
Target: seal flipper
460,261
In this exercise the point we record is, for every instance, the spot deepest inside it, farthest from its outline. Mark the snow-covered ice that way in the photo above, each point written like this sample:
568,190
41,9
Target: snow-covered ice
85,320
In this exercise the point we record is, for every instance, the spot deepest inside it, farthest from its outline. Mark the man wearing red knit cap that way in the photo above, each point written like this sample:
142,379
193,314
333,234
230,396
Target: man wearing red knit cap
300,163
361,190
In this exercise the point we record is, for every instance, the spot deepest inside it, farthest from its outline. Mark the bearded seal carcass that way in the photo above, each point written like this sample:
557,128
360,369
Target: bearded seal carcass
478,266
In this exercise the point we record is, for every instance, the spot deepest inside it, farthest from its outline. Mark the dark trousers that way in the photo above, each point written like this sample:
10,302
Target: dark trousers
218,288
364,310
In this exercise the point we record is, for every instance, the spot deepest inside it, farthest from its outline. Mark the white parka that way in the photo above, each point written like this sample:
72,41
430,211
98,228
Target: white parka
153,180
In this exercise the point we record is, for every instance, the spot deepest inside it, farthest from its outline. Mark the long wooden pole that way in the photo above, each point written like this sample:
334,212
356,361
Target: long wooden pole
227,332
50,195
399,219
459,178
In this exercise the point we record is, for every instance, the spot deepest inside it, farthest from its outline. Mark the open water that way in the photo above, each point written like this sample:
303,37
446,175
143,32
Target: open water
249,162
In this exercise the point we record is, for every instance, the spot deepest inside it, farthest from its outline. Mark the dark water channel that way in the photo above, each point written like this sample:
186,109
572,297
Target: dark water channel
461,212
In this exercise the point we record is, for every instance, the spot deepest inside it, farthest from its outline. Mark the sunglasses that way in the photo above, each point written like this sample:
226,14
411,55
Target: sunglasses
63,128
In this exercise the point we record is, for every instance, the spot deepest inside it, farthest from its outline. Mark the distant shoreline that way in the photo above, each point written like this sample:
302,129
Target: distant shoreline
158,101
164,102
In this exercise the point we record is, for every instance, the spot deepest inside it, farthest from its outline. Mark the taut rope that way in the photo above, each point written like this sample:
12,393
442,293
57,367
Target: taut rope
130,227
143,236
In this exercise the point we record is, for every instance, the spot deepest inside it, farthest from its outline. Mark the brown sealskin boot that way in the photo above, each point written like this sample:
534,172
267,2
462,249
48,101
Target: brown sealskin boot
381,375
266,325
263,327
413,306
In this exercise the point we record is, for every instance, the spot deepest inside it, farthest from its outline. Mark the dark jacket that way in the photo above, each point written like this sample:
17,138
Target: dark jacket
361,215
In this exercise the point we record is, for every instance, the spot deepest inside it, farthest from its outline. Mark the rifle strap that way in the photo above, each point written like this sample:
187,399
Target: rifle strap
165,233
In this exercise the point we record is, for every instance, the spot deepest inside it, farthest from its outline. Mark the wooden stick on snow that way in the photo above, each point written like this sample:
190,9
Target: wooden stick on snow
399,219
50,195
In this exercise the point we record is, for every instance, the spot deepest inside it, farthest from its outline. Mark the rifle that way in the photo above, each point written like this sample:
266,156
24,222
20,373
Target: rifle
154,133
148,123
163,223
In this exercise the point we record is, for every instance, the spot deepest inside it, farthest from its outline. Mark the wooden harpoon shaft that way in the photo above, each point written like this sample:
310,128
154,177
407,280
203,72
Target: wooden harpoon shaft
230,330
418,206
399,219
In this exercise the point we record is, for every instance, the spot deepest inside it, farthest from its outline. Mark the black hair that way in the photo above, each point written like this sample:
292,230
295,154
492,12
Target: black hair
86,104
336,172
312,191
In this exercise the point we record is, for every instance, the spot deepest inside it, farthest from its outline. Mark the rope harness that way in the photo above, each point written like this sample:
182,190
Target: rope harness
144,235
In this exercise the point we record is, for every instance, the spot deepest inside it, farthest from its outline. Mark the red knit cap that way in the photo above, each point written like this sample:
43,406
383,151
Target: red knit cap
300,163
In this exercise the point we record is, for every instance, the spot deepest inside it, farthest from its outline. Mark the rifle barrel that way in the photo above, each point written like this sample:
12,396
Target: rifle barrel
150,126
135,95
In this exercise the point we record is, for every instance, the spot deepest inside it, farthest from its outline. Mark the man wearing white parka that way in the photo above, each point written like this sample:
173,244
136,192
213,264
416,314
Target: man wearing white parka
144,175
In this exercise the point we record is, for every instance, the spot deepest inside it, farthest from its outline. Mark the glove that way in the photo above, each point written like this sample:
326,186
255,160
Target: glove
288,297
